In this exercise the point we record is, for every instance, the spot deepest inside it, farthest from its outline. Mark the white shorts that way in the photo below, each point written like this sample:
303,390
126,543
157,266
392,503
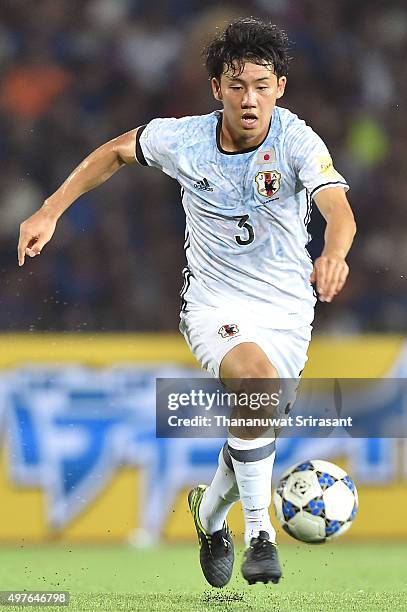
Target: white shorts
212,332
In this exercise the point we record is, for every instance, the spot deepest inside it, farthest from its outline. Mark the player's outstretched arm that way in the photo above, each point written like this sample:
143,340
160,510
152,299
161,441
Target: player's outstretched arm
99,166
330,269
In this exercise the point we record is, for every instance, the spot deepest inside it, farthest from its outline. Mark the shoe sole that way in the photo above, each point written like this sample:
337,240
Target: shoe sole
264,579
262,574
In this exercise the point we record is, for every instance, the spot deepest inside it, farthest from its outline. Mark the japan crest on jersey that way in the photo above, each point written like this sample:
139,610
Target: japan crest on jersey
268,183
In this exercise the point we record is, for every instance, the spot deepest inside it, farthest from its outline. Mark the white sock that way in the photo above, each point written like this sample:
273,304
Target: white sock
253,462
219,497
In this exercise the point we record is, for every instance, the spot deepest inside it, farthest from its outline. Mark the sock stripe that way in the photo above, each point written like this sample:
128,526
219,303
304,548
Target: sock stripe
226,456
252,454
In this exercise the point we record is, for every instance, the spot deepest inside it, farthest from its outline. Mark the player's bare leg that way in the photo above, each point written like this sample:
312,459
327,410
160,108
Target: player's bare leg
252,456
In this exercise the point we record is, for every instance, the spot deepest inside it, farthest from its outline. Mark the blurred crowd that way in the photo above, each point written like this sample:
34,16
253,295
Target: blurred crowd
76,73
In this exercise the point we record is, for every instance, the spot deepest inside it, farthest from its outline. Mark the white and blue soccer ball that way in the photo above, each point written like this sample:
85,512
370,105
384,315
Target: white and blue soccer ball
315,501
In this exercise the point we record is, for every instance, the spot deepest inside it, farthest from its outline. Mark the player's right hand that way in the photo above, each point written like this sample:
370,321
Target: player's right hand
35,232
329,275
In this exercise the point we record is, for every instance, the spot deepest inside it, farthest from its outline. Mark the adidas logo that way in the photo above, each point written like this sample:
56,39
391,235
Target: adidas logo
203,185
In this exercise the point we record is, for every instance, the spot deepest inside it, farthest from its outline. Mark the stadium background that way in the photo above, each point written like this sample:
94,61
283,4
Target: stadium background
78,457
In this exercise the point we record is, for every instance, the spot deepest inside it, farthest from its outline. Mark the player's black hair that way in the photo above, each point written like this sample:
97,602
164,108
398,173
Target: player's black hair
248,39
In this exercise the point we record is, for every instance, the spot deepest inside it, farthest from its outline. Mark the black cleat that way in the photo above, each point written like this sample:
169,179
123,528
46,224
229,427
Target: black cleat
261,561
216,552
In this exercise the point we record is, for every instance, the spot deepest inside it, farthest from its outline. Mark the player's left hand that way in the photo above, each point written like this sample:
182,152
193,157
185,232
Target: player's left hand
329,276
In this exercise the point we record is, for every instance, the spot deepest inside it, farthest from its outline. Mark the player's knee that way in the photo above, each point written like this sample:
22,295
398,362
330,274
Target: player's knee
252,377
258,370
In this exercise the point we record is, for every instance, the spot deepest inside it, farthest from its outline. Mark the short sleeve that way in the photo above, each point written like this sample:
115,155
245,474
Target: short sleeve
157,145
312,161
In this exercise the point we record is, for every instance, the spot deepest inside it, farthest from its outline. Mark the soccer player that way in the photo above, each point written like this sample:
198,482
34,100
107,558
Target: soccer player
248,176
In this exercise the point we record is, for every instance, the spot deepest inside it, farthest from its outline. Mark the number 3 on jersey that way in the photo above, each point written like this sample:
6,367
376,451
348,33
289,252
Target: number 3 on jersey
243,223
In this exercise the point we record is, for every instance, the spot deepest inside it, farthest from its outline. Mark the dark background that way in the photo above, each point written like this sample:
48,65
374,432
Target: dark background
76,73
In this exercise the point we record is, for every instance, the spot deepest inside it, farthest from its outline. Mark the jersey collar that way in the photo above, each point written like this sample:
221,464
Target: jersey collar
250,149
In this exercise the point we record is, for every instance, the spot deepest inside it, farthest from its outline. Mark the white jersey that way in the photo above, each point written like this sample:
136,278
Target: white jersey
246,212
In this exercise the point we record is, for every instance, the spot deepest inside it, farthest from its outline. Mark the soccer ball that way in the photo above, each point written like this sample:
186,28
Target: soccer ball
315,501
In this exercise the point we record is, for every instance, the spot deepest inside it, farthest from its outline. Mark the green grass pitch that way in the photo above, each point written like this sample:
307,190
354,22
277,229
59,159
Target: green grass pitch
336,576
